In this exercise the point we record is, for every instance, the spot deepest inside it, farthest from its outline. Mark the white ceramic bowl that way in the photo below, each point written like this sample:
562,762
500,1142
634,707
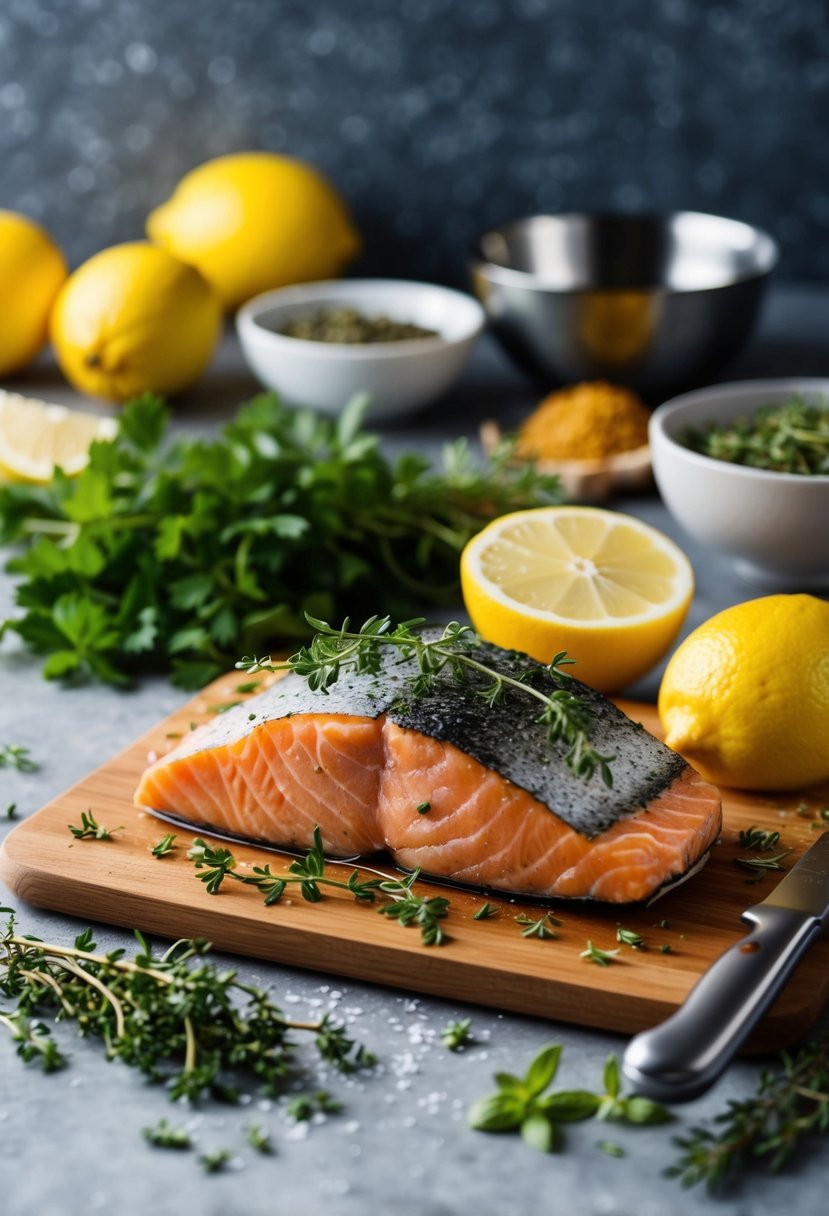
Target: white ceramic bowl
399,377
774,525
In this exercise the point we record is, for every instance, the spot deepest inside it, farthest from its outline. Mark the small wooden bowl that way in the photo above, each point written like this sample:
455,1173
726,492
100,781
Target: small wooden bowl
588,480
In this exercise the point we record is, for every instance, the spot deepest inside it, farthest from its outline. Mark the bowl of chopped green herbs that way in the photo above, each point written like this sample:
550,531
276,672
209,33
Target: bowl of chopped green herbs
401,343
745,468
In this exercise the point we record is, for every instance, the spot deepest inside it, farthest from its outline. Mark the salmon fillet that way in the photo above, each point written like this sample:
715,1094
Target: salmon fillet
504,811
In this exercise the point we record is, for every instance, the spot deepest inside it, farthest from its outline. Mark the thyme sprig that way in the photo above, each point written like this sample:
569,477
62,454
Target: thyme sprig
310,874
791,436
761,839
457,1034
567,718
90,829
759,866
602,958
790,1105
541,928
177,1018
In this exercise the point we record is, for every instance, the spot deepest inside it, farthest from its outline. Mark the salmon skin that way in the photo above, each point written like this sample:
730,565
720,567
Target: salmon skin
443,781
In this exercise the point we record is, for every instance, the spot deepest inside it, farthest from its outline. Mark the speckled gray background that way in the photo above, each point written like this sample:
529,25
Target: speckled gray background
435,117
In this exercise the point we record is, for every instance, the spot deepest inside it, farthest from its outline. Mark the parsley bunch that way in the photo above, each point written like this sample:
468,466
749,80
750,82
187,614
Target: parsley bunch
181,555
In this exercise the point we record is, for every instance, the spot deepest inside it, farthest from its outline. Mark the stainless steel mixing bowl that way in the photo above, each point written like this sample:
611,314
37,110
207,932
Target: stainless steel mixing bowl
652,301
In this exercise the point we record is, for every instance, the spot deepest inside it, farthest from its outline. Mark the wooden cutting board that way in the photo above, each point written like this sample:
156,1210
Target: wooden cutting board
488,962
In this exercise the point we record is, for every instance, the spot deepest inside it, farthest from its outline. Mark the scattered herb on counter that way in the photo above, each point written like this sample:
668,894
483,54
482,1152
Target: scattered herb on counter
165,1136
790,1105
485,912
305,1106
759,866
629,937
184,554
165,845
603,958
90,829
791,436
542,928
354,328
610,1148
260,1140
457,1034
566,716
14,756
10,811
522,1103
176,1017
215,864
762,839
215,1161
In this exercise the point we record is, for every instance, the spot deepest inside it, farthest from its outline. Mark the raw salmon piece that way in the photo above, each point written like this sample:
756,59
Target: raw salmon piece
505,810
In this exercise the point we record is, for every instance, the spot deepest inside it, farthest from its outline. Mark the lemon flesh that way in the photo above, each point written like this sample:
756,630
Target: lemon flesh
134,319
745,698
32,269
36,437
253,221
608,589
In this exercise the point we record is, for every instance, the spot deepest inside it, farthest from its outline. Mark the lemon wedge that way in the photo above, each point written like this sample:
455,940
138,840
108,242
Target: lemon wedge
607,588
35,437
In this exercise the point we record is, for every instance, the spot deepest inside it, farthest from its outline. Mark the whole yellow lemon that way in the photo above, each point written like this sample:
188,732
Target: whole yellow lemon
745,698
134,319
32,269
253,221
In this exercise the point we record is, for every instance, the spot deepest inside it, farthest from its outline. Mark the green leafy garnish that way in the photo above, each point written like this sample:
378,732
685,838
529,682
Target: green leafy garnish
260,1140
12,755
90,829
457,1034
629,937
759,866
762,839
592,954
566,716
542,927
165,1136
485,912
184,554
165,845
215,1161
789,437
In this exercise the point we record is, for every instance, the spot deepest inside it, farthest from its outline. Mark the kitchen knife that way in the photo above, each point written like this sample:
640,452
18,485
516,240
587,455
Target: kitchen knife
679,1059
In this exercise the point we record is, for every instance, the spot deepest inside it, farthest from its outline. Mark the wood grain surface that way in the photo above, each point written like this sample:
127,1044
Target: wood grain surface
487,962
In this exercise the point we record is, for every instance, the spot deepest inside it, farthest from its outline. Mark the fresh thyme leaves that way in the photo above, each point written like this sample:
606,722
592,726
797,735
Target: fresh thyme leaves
543,927
260,1140
176,1017
759,866
762,839
522,1103
186,554
90,829
165,1136
10,811
164,846
603,958
567,718
790,1105
629,937
485,912
457,1034
215,864
215,1161
12,755
791,436
305,1106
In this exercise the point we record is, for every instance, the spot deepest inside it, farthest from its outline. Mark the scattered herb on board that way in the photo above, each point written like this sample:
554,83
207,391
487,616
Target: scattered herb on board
592,954
164,846
310,873
353,327
542,927
12,755
566,716
485,912
762,839
629,937
457,1034
90,829
759,866
791,436
175,1016
182,554
523,1104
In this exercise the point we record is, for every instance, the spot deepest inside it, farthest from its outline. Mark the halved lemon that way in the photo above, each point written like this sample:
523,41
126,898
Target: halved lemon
610,590
35,437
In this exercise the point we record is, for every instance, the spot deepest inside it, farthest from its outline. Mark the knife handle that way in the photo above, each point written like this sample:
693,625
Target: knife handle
679,1059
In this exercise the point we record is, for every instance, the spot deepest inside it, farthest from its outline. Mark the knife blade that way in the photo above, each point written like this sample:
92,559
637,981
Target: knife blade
683,1056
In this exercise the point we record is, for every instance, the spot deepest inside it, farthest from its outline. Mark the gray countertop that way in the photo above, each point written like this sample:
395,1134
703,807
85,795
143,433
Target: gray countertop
70,1143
